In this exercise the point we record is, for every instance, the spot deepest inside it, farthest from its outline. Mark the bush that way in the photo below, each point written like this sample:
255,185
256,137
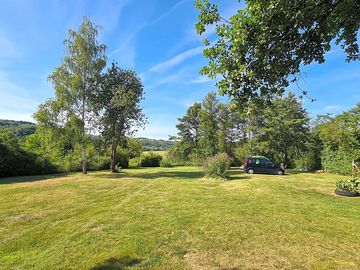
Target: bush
165,163
217,166
134,162
337,161
348,185
150,160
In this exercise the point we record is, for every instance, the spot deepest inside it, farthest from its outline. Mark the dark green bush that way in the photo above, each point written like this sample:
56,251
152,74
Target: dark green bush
337,161
151,160
217,166
16,162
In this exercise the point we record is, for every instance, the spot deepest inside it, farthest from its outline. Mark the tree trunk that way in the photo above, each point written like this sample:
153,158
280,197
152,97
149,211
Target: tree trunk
83,156
113,156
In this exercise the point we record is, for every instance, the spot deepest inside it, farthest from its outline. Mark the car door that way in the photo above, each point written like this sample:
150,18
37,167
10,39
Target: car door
258,165
268,166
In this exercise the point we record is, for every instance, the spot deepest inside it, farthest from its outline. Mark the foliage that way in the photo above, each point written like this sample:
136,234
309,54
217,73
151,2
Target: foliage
135,162
217,166
118,107
189,131
261,47
75,82
15,160
348,185
340,136
166,163
281,131
151,160
209,124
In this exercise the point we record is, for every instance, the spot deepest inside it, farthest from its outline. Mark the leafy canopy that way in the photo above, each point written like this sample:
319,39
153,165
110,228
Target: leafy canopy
261,48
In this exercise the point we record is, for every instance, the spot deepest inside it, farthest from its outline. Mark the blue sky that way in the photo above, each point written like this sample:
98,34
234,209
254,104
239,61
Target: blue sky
156,38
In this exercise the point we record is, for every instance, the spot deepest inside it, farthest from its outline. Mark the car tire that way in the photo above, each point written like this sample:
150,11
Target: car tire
279,172
251,171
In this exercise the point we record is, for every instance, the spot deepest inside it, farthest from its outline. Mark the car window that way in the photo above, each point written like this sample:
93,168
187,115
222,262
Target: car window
266,162
257,161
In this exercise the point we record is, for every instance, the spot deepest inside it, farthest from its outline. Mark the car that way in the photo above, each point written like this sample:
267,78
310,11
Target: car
260,164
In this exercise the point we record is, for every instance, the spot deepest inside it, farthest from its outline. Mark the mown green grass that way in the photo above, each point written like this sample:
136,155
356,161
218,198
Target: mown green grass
173,218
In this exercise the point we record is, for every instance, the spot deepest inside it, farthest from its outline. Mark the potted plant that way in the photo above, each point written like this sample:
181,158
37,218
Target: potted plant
348,188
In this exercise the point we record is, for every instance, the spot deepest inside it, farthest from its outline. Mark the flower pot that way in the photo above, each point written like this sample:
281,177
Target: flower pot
346,193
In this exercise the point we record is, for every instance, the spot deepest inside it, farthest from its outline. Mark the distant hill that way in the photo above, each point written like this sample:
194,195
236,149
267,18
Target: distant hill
155,145
22,128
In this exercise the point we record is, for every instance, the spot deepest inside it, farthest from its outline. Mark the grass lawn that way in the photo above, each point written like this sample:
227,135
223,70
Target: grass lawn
171,218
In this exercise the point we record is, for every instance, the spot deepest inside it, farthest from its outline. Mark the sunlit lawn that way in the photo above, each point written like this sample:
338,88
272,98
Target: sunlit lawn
172,218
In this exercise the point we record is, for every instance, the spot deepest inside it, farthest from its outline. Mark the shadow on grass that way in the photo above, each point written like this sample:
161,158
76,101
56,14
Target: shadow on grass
30,178
155,175
234,174
117,263
237,174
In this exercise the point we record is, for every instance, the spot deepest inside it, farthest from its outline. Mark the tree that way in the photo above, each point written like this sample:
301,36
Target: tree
119,98
209,124
76,80
227,133
261,48
340,136
189,129
286,128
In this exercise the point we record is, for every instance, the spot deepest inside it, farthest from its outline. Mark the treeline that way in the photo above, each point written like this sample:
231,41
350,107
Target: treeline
281,131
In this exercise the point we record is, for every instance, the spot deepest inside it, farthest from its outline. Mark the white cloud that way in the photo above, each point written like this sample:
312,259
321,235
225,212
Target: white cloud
332,107
126,50
171,78
164,66
200,79
167,13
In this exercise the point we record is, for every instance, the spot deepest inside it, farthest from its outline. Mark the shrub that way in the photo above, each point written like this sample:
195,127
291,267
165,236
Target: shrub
150,160
134,162
348,185
217,166
165,163
337,161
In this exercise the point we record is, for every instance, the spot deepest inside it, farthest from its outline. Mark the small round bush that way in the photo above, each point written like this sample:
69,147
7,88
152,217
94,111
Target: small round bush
165,163
348,185
151,160
217,166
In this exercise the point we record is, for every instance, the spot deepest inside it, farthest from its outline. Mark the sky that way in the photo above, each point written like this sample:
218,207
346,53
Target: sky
156,38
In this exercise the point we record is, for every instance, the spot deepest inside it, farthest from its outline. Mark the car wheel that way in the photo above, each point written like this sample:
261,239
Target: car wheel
250,171
279,172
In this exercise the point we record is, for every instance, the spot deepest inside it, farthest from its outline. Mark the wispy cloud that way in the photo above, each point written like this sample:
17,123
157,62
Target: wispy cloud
127,49
12,97
332,107
8,51
164,66
168,12
200,79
